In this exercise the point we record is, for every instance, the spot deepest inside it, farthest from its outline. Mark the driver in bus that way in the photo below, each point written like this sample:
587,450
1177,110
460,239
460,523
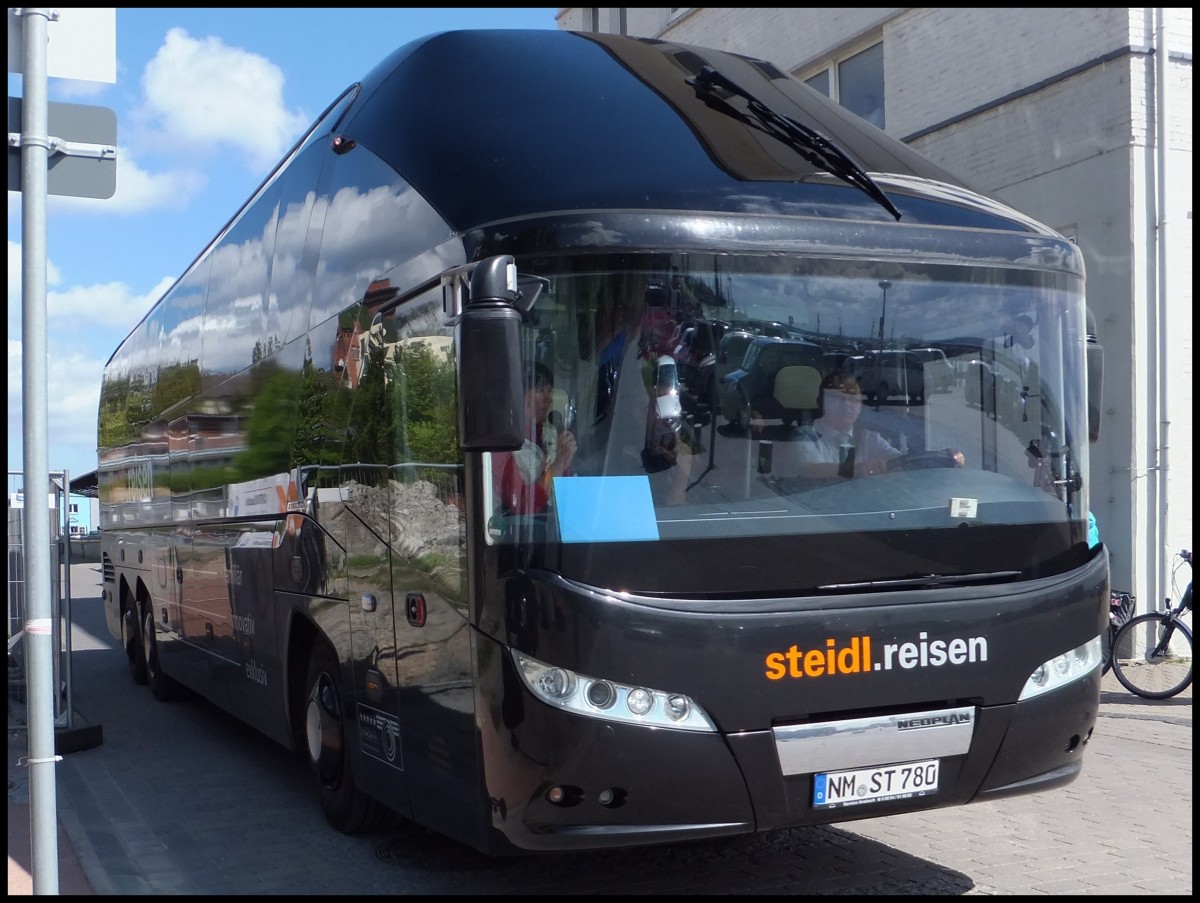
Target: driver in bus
523,477
836,445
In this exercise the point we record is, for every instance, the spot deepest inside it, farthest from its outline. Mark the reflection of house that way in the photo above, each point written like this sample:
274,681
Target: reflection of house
351,341
348,349
215,439
363,330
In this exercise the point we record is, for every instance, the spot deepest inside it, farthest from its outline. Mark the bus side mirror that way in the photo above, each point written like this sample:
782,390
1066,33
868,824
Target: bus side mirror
1095,378
491,405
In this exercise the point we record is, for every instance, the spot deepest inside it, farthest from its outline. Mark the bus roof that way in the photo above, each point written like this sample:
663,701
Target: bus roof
489,125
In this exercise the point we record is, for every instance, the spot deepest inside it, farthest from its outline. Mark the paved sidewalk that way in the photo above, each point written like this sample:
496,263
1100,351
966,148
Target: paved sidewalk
71,876
226,811
1117,704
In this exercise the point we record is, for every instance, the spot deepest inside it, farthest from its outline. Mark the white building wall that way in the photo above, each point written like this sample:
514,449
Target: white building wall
1055,111
788,38
941,63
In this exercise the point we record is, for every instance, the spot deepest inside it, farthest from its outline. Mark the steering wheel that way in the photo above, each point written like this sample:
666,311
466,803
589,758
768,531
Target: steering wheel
943,457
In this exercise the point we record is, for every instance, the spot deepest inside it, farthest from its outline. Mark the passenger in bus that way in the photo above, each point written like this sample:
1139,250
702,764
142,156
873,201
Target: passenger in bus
835,445
523,478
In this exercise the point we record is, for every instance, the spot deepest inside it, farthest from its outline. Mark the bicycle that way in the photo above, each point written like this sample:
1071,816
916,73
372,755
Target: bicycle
1152,653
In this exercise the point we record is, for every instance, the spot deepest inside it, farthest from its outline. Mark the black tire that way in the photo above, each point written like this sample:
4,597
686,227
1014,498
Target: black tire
1145,674
326,747
1106,647
131,639
164,688
742,423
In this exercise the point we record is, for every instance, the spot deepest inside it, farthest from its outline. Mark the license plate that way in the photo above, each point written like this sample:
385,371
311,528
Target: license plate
874,785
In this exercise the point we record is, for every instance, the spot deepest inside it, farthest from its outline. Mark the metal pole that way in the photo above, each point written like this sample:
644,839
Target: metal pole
66,716
39,626
885,285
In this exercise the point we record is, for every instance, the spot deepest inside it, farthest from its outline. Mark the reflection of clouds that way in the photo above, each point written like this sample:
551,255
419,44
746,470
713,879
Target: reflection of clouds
180,344
293,225
918,306
291,287
366,235
825,207
239,271
363,235
234,308
593,234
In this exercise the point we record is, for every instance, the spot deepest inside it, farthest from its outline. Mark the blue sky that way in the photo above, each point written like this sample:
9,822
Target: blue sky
207,101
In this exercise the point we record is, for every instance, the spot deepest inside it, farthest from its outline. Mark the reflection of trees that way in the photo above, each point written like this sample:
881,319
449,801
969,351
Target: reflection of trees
270,428
404,407
404,411
265,349
129,404
372,418
431,412
321,417
176,382
113,416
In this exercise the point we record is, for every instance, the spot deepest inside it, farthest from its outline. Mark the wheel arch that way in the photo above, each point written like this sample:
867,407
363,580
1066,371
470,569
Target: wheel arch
302,635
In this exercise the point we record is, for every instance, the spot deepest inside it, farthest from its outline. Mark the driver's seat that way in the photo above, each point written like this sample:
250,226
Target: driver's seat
797,390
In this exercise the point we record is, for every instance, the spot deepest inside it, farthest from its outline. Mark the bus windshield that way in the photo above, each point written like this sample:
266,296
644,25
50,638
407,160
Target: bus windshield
861,398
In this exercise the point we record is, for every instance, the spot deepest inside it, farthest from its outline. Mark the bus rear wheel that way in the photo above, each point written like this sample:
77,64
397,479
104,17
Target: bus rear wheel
162,687
347,808
131,639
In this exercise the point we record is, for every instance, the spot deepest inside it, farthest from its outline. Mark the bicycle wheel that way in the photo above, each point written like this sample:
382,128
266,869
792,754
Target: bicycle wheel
1152,656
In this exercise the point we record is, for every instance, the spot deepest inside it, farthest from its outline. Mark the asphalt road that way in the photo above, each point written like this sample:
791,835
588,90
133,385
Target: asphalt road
181,798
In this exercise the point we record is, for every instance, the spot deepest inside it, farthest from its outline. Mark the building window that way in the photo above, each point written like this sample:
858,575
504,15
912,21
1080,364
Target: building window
856,82
820,81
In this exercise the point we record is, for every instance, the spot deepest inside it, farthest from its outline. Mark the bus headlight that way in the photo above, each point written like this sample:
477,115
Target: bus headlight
556,683
595,697
1062,669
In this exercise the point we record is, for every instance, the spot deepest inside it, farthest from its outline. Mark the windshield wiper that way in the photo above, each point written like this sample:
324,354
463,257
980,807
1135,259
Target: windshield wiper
807,142
928,581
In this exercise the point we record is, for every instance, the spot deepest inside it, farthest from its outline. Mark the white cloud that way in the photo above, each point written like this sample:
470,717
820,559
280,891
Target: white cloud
78,309
14,288
139,190
204,92
112,305
78,90
85,325
72,401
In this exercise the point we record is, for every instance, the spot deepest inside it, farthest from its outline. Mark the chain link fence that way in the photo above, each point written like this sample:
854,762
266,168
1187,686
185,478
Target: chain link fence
56,495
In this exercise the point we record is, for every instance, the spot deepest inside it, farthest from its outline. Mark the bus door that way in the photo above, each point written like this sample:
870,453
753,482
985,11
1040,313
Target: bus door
178,659
249,644
372,616
206,623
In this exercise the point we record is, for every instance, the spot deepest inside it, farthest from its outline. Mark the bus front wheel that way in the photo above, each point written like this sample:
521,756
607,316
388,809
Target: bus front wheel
346,807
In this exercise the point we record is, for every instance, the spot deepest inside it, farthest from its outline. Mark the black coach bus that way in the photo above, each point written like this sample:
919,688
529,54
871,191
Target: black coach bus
434,465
